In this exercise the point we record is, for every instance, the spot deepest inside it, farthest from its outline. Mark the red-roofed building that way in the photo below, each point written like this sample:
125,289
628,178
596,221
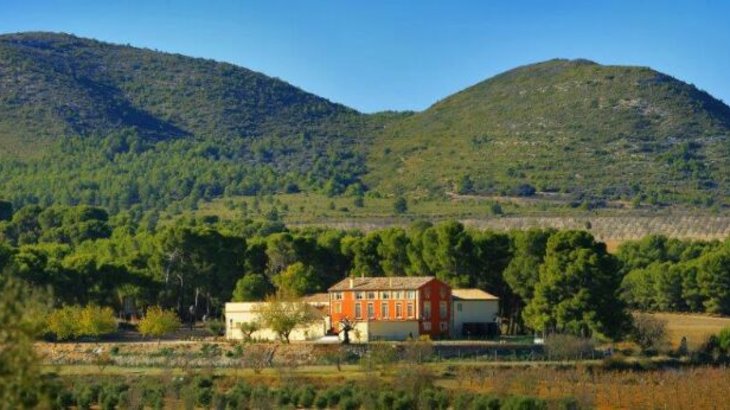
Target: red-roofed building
393,307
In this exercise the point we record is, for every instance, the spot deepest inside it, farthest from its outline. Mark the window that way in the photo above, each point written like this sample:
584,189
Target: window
398,295
411,294
427,326
427,311
338,307
384,313
398,310
385,295
427,293
358,311
443,310
410,309
371,295
443,292
371,311
338,295
358,295
444,326
458,307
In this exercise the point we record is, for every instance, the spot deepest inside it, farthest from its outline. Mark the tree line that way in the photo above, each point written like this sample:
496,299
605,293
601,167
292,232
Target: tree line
547,280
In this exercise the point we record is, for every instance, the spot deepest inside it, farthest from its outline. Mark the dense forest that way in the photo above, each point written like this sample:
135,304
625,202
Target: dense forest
84,122
546,279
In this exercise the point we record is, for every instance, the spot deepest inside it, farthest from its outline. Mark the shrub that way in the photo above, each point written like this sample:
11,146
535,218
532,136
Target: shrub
568,347
215,327
649,333
96,321
485,402
568,403
62,322
306,396
386,399
154,397
321,401
349,403
204,391
723,339
523,403
158,322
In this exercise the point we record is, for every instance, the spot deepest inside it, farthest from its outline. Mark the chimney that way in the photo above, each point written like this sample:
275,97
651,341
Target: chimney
352,283
390,282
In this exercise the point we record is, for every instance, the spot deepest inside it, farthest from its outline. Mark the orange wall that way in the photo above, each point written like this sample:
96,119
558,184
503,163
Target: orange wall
434,287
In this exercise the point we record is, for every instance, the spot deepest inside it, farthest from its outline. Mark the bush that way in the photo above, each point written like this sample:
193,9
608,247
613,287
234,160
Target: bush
306,396
568,347
158,322
74,321
649,333
485,402
723,339
204,391
154,397
321,401
523,403
349,403
215,327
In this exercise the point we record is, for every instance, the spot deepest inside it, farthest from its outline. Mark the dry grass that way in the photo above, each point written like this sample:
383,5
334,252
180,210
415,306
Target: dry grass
693,388
697,328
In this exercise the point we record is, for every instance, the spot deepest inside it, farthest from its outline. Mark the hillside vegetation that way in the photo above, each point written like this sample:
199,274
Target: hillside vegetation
594,132
86,122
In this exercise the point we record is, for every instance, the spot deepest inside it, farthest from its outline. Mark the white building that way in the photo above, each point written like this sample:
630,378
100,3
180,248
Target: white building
245,312
474,311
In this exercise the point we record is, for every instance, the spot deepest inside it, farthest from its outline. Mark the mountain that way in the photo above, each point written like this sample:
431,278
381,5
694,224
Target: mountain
570,127
82,121
86,121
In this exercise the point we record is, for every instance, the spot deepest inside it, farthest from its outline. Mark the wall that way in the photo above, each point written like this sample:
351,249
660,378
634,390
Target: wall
473,311
237,313
393,330
433,293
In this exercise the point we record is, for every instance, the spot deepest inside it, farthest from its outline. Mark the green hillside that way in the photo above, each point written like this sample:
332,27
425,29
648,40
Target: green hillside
90,122
86,122
575,128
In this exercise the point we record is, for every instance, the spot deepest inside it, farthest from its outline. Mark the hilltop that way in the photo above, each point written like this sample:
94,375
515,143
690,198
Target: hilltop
564,127
91,122
82,121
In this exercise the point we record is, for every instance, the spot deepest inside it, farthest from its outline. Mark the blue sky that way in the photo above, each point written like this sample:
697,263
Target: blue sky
378,55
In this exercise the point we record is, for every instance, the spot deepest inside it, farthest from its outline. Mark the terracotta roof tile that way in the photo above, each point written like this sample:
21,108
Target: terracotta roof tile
382,283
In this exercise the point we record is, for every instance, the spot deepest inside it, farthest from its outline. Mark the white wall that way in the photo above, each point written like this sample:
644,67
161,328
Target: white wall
472,311
237,313
393,330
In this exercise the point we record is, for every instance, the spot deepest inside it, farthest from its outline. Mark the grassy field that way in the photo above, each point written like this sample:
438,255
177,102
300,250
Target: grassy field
697,328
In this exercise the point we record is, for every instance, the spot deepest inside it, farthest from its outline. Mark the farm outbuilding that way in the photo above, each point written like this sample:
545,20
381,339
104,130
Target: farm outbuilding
475,313
244,312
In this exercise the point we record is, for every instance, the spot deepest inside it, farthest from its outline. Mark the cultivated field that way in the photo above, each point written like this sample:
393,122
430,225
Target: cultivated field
609,225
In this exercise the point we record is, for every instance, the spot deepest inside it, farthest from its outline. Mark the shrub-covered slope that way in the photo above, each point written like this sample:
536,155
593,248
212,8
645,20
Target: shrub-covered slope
574,127
83,121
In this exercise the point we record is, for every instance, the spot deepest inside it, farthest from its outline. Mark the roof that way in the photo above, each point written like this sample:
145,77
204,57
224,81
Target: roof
472,294
316,298
382,283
